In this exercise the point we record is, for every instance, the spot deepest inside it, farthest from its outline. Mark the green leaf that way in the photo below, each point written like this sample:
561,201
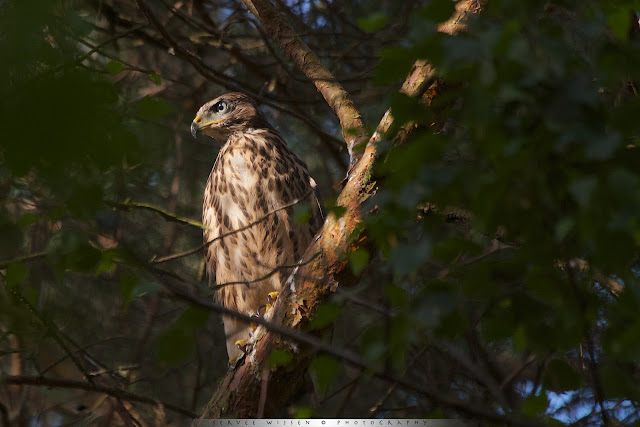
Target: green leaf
326,314
520,340
358,260
619,19
193,318
175,346
406,258
178,343
114,67
439,10
127,284
279,357
397,296
302,412
563,227
16,273
336,210
302,213
27,219
396,63
156,78
153,107
107,262
536,405
582,188
324,369
560,376
373,22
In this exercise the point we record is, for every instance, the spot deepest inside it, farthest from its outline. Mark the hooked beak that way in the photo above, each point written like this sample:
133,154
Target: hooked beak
194,128
197,125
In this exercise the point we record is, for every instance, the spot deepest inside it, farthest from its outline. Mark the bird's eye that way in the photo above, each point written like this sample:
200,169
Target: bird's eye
219,107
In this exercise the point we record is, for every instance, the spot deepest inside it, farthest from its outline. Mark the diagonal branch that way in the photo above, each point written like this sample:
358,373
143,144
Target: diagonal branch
308,62
309,285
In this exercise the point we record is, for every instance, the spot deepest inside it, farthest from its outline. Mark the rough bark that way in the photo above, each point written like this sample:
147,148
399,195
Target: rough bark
238,394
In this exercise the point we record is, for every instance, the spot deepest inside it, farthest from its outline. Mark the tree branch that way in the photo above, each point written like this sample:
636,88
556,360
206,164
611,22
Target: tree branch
307,61
79,385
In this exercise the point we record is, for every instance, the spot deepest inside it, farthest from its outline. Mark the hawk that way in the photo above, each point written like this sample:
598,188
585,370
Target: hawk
255,183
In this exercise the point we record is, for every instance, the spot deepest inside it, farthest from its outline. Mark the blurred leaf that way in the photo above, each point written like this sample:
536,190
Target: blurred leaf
563,227
535,405
193,318
114,67
178,343
560,376
279,357
373,22
324,368
156,78
15,274
397,296
619,19
581,189
358,260
439,10
127,283
407,257
302,412
336,210
302,213
107,261
175,346
27,220
396,63
326,315
153,107
71,250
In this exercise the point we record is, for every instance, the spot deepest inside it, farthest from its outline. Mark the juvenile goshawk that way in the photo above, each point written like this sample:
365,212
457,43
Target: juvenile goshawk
254,176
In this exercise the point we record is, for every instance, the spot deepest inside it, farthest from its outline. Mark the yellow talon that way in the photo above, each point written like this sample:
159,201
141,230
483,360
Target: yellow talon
271,299
241,344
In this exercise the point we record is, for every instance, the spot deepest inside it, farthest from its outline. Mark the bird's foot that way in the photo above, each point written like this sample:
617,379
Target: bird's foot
253,325
238,360
271,300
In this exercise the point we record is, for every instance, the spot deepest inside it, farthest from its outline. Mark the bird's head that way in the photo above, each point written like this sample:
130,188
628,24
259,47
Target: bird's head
233,112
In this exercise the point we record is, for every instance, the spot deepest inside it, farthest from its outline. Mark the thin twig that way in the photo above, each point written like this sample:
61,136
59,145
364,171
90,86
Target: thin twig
24,258
162,212
230,233
79,385
55,332
269,274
